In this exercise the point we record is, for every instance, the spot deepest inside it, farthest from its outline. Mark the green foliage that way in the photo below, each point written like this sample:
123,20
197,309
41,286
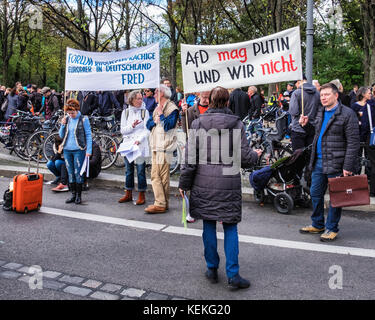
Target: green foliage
336,58
39,55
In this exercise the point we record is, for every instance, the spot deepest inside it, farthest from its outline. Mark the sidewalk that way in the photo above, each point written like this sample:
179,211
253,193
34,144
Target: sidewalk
115,177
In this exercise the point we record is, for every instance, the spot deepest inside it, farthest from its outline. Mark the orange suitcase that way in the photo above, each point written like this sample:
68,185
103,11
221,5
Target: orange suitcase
27,191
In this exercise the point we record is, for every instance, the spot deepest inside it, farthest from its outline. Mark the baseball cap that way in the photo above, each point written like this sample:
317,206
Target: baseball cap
45,89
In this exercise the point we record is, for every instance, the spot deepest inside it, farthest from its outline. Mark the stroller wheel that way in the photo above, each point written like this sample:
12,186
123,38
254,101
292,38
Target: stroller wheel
283,203
259,196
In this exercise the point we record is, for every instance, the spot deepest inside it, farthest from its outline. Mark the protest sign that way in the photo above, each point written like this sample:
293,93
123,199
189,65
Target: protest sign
131,69
275,58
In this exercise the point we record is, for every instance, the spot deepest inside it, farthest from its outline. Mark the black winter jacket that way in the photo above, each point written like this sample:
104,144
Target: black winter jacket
95,161
340,141
239,103
256,106
215,194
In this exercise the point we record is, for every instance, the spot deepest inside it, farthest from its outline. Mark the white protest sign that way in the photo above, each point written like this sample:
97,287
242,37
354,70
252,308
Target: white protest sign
131,69
275,58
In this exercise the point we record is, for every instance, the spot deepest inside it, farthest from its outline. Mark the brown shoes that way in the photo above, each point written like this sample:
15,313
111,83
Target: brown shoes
127,197
155,209
141,198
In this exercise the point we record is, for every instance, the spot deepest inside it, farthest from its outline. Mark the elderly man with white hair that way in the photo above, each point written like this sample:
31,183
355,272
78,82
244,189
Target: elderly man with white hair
163,141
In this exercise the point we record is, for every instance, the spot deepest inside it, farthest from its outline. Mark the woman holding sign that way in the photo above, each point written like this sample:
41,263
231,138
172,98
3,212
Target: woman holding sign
77,144
135,145
215,184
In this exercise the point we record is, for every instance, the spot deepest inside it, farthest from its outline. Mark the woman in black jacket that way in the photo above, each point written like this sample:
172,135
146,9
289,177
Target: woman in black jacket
23,99
215,184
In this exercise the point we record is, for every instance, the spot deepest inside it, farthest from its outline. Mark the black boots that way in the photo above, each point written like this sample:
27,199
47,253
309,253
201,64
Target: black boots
72,188
211,275
79,192
237,282
76,189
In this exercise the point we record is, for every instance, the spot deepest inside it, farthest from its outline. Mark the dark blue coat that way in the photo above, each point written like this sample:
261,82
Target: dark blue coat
106,101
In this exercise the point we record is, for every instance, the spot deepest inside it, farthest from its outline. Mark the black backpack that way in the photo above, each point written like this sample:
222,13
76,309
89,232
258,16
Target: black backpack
8,200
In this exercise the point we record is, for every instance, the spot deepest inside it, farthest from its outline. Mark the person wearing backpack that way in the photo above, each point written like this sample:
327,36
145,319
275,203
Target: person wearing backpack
134,131
51,103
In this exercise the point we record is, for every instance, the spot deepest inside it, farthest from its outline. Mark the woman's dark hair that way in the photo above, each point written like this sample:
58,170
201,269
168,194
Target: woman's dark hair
219,98
13,91
58,141
361,93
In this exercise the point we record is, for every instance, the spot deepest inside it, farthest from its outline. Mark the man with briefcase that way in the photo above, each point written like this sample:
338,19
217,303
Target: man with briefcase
334,153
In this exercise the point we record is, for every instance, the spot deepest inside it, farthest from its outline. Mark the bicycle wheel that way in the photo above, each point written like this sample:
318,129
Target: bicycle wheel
119,163
34,145
108,148
48,150
176,160
19,141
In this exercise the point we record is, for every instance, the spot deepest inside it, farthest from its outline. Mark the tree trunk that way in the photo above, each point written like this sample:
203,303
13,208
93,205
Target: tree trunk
368,16
5,73
371,34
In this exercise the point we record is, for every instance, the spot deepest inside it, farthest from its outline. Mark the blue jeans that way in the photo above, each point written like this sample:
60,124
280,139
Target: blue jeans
141,175
230,247
319,183
55,167
74,161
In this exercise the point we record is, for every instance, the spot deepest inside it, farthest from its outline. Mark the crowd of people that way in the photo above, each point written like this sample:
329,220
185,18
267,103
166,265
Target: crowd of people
323,118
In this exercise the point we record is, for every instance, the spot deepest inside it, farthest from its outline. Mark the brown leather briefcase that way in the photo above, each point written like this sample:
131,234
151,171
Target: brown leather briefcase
349,191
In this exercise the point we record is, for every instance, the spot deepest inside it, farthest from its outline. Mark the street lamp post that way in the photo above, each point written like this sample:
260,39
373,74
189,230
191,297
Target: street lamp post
309,40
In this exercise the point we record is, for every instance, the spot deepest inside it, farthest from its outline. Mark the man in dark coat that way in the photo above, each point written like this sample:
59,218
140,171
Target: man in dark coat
51,104
215,184
334,152
303,137
89,103
239,103
105,102
36,98
255,103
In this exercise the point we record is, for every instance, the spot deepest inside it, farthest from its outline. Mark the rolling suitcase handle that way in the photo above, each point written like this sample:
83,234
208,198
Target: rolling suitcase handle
33,177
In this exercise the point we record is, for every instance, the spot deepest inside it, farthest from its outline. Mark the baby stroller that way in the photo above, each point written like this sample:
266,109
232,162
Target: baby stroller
281,183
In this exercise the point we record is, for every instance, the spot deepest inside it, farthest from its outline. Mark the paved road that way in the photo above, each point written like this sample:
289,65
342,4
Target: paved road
106,250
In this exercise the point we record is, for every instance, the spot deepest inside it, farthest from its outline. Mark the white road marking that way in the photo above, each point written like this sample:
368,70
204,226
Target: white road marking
104,219
299,245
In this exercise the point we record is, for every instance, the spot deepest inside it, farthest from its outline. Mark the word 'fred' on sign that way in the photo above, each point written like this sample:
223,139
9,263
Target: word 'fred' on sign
135,78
